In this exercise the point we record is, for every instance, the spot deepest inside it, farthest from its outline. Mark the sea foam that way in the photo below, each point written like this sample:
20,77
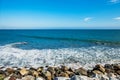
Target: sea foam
72,57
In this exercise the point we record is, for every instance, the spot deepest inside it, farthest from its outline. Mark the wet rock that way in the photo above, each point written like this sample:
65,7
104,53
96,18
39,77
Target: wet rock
81,71
100,68
28,78
23,71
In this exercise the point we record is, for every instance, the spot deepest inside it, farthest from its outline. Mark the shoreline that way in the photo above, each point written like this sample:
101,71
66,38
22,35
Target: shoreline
98,72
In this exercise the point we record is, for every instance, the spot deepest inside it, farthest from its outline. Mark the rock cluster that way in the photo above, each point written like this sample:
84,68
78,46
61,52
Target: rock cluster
99,72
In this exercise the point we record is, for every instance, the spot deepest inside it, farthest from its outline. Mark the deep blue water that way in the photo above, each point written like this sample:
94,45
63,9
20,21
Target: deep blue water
50,39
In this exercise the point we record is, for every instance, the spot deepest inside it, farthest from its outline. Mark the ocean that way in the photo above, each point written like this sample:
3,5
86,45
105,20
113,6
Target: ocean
59,46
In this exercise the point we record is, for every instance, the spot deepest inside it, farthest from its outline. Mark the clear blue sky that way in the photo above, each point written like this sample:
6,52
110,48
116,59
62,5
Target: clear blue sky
85,14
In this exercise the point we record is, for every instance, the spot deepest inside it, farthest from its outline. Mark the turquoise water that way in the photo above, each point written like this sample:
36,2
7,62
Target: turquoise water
42,39
54,47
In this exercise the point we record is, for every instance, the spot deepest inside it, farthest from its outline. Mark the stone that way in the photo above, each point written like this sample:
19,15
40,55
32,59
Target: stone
52,71
40,69
2,72
100,68
48,75
70,73
63,74
81,71
28,77
108,66
35,74
12,78
71,70
103,77
109,70
116,67
9,70
97,72
90,74
33,69
17,74
118,72
64,68
23,71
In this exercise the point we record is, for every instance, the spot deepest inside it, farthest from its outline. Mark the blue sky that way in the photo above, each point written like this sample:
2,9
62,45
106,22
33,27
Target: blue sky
83,14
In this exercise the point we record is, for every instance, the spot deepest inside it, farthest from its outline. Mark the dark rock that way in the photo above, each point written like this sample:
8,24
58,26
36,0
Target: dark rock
116,67
64,68
33,69
109,70
108,66
100,68
81,71
70,73
118,72
90,74
63,74
2,72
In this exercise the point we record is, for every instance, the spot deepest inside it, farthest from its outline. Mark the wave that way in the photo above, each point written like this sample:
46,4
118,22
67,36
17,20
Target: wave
87,57
94,41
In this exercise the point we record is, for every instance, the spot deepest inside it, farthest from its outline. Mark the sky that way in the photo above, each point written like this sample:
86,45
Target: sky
63,14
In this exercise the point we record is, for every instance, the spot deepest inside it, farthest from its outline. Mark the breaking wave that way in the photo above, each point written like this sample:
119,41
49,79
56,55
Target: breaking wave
83,56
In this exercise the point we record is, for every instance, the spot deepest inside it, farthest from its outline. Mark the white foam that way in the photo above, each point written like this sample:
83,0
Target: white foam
73,57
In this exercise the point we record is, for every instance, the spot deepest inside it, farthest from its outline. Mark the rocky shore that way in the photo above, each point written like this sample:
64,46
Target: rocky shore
99,72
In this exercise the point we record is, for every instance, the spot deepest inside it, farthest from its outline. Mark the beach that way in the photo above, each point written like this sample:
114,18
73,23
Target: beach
99,72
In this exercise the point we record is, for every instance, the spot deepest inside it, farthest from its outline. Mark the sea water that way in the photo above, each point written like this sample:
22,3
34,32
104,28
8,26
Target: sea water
73,48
